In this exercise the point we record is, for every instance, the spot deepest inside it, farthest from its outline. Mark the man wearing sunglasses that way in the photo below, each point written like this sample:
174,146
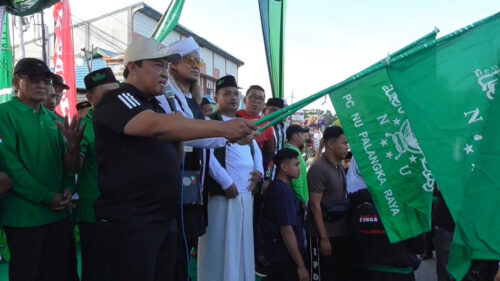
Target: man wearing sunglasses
139,167
183,79
33,151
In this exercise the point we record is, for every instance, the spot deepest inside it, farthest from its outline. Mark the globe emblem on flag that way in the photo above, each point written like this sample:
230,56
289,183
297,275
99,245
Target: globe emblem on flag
488,79
405,140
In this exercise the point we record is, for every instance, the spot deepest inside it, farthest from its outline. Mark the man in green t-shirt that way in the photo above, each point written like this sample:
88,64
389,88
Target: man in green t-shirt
295,136
96,83
33,153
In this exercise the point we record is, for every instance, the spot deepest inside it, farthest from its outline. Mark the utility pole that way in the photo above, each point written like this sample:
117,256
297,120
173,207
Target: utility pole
44,53
21,36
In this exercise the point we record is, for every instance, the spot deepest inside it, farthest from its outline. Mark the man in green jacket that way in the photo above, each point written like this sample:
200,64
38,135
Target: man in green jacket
96,83
295,136
33,153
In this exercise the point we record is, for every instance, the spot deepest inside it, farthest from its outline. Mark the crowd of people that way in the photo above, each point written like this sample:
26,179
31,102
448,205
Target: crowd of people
162,176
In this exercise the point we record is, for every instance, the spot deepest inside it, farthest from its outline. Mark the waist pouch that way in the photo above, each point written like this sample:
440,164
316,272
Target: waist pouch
333,211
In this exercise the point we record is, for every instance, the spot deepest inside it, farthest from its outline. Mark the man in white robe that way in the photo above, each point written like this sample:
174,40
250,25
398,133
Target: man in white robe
226,251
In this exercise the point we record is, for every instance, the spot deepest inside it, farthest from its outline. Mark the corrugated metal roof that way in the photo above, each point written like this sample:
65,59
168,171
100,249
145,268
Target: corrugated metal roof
82,70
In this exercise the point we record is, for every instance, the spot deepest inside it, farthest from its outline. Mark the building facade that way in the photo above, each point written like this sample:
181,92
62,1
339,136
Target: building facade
112,32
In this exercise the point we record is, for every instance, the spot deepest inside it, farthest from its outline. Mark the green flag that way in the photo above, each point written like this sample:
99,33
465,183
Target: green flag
477,227
272,15
446,91
168,21
387,153
6,63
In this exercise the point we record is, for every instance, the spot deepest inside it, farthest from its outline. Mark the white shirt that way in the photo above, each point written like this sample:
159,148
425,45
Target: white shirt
354,179
239,164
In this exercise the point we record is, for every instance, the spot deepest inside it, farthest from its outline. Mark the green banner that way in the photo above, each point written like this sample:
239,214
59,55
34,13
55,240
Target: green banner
446,91
6,63
272,15
168,21
26,7
388,155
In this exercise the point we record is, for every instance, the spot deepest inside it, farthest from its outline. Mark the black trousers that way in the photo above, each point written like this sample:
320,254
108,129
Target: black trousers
333,267
194,226
258,237
364,275
283,271
90,250
146,254
41,253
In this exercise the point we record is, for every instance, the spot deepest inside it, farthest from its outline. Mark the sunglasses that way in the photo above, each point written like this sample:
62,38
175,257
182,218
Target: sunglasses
192,61
37,79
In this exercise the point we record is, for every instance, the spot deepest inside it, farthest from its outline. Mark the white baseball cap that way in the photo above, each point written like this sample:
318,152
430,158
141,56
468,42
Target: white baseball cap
148,48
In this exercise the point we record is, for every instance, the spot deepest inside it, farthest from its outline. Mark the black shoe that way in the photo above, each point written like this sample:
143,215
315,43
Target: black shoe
262,270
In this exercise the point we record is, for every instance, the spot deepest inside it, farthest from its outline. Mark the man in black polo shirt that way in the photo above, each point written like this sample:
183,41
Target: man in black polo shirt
139,167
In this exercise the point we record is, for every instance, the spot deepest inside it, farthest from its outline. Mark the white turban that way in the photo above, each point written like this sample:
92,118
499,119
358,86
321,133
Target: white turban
184,47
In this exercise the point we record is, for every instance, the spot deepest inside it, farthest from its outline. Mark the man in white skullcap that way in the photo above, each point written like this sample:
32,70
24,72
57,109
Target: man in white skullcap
183,79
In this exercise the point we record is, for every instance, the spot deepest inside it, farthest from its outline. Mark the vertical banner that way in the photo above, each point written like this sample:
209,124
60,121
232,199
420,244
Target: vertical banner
168,21
6,59
64,58
272,16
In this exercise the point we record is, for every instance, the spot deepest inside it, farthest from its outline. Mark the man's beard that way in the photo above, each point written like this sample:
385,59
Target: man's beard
301,147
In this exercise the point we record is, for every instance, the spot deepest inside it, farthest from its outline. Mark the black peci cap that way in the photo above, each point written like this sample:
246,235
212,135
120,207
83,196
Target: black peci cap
99,77
226,81
82,105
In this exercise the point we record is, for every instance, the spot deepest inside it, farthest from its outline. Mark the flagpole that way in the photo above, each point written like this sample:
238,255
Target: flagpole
285,112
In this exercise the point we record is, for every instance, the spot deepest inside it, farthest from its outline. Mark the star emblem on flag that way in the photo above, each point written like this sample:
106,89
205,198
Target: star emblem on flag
413,159
389,155
383,142
468,149
396,121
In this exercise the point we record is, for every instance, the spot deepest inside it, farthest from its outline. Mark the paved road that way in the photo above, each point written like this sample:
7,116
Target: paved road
427,270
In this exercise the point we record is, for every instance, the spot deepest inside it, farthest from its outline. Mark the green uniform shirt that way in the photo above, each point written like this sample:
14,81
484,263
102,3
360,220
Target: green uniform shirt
299,185
32,152
87,178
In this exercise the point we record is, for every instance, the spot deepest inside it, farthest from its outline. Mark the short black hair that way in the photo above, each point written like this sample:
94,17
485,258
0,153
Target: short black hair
282,155
254,87
126,72
332,132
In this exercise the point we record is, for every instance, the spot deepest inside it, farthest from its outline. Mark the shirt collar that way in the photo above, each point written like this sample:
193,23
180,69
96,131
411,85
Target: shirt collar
336,165
24,107
90,113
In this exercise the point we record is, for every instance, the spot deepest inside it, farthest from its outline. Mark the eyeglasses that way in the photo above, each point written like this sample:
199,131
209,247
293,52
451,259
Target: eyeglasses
192,61
38,79
256,99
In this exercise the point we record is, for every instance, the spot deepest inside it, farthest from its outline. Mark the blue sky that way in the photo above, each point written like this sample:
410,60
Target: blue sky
326,41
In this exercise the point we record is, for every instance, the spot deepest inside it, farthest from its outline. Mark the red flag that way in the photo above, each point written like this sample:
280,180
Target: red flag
64,58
